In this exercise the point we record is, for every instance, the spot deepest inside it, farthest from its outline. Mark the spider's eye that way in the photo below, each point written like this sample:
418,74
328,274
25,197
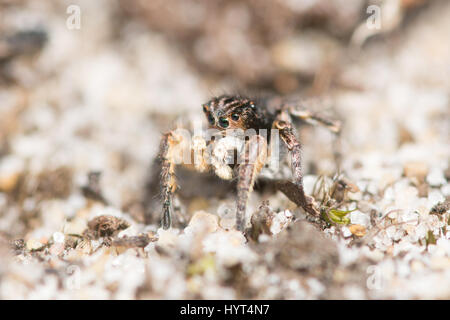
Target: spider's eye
223,122
211,119
205,109
235,117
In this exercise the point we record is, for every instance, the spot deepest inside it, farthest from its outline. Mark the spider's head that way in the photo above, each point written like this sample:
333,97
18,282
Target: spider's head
230,112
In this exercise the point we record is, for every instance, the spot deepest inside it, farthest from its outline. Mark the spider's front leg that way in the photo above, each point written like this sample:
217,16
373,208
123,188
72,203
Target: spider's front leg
255,155
168,180
176,149
287,134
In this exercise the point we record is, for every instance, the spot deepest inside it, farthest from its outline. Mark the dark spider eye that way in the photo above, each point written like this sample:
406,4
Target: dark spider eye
205,109
235,117
211,119
223,122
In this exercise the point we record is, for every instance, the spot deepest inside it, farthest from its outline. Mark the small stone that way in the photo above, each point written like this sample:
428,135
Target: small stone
416,266
355,196
393,214
227,223
446,190
227,216
375,255
264,238
357,230
436,177
366,207
417,170
34,245
204,221
280,221
76,226
410,229
357,217
391,231
346,232
440,263
340,276
229,247
434,197
58,237
9,181
11,169
167,238
423,190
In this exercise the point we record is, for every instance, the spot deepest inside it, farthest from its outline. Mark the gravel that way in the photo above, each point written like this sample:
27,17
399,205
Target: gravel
98,99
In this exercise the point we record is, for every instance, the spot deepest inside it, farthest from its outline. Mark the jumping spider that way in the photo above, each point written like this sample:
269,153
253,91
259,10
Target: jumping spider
225,114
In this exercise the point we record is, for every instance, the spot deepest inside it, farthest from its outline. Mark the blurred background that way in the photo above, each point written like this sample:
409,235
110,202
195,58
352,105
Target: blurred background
89,86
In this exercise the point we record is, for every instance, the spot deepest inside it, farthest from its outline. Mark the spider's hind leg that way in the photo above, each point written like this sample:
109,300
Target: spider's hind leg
307,111
309,116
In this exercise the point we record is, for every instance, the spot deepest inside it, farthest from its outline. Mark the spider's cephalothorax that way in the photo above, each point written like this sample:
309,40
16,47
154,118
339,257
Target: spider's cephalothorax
234,112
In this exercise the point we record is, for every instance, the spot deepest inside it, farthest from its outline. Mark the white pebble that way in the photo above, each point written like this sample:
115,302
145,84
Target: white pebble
357,217
346,232
58,237
436,177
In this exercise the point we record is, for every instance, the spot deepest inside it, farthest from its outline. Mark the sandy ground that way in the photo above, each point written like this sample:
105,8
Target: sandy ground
98,98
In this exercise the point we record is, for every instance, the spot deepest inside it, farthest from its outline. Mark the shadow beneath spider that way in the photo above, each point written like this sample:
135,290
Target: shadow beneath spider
193,184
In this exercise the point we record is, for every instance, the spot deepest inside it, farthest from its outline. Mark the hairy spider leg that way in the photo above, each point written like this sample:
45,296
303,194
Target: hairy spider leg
172,150
333,125
175,148
168,180
287,135
307,115
255,155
